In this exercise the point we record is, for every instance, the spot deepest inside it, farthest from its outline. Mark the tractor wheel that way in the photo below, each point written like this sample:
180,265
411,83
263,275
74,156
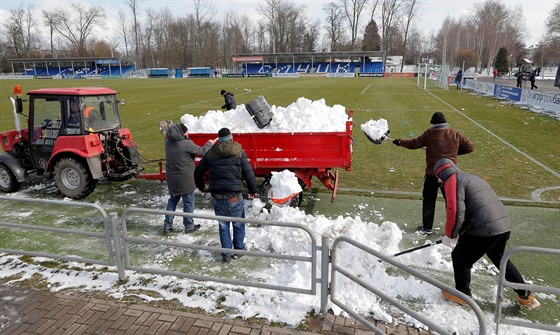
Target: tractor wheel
8,181
73,179
266,191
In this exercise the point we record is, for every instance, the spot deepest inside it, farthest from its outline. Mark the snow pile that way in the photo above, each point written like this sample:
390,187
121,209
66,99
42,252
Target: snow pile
276,306
284,184
375,129
303,115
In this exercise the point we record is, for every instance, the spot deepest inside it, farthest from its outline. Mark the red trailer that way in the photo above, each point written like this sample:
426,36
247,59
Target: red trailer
307,154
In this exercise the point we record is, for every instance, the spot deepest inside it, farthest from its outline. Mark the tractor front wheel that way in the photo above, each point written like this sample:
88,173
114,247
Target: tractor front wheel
73,179
8,181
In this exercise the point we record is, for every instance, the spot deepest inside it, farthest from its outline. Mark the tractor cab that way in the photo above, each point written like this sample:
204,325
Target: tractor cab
73,133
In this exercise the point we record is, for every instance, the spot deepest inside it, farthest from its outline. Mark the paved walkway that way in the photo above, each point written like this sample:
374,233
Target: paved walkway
32,311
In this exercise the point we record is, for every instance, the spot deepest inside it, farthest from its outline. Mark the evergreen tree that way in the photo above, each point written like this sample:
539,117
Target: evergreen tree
372,40
502,62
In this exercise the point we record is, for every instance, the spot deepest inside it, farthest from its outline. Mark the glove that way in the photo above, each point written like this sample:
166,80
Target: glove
448,241
397,142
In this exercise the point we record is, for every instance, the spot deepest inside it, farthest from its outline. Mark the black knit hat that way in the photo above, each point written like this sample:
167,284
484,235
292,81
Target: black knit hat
222,92
224,135
438,118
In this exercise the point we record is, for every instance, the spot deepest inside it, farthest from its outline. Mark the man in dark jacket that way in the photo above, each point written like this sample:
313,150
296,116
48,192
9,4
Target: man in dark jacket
439,141
227,165
180,152
477,217
229,100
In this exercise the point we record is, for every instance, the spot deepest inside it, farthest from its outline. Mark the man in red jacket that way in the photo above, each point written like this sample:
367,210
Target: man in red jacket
440,141
479,220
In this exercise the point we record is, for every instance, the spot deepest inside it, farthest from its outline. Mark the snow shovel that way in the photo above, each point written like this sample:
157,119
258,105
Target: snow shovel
380,139
260,110
417,248
279,201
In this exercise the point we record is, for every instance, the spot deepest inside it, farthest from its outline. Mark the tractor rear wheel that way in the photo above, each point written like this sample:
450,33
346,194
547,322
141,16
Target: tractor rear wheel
8,181
73,179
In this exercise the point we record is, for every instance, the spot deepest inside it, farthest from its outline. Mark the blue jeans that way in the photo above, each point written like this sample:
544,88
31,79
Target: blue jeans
188,207
227,207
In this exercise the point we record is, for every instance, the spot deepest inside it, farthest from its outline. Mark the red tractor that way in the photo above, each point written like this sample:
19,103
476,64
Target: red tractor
73,135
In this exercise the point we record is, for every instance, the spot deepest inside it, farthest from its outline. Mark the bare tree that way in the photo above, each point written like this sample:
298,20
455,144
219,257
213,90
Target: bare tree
203,13
123,28
411,7
76,24
133,5
19,31
390,11
51,20
490,20
353,10
281,19
333,24
550,44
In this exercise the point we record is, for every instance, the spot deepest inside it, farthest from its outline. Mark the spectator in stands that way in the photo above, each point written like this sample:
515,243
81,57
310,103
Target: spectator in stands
229,100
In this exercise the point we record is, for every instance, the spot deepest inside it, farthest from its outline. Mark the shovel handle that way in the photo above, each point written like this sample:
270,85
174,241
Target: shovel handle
243,122
417,248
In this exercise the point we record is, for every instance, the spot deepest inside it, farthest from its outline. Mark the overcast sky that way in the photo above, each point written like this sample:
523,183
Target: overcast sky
431,14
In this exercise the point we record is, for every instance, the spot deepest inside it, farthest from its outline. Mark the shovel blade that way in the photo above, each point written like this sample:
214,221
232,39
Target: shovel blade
379,140
260,109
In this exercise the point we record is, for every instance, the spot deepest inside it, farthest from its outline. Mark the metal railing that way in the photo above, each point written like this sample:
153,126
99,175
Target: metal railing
117,241
335,268
498,318
108,230
312,258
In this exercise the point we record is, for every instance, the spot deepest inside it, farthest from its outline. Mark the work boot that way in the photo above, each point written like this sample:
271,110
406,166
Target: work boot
529,302
168,229
424,231
226,259
450,297
238,256
195,228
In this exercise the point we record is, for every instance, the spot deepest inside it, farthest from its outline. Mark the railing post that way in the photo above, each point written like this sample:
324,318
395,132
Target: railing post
117,243
325,262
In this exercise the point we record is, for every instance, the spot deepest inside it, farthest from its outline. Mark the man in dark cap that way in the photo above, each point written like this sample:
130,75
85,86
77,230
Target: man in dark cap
180,152
440,141
227,166
479,220
229,100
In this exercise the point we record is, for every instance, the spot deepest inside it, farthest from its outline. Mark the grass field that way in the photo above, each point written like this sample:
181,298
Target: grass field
517,151
514,169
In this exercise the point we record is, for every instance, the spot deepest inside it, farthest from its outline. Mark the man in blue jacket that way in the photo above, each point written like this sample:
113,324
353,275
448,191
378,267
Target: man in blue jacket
227,166
180,153
479,220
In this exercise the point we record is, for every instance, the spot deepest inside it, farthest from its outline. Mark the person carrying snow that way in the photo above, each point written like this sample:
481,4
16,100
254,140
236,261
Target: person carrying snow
440,141
229,100
480,223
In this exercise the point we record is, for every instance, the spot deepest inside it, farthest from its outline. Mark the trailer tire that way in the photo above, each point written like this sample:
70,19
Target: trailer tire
73,179
8,180
266,191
